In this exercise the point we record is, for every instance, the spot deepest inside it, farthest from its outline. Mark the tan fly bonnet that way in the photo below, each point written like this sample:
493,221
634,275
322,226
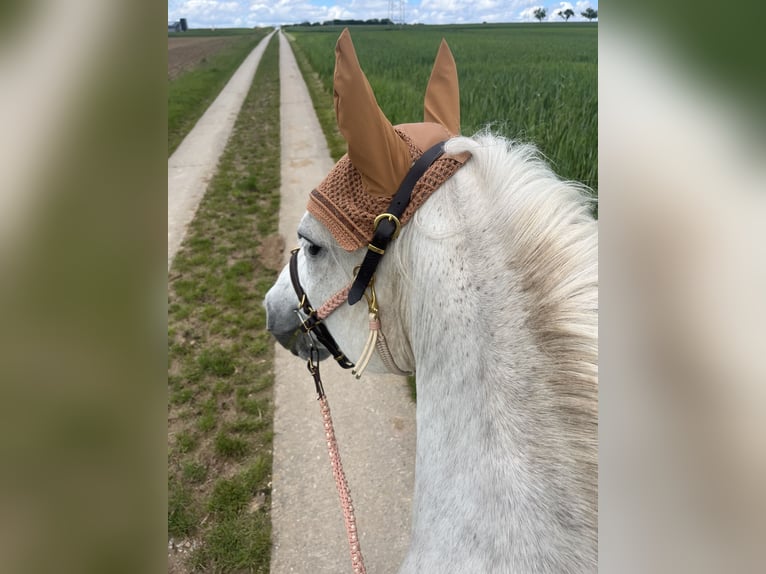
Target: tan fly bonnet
380,155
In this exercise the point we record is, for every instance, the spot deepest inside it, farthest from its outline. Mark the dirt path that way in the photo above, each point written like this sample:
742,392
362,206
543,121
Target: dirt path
193,164
374,418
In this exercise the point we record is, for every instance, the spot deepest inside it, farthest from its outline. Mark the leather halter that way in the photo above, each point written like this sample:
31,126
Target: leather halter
387,225
312,324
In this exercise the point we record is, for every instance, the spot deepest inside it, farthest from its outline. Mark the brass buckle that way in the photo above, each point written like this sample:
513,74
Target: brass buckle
306,325
390,217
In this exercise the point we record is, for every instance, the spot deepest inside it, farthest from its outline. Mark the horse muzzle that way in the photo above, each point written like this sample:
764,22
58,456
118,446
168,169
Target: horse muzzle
284,323
298,344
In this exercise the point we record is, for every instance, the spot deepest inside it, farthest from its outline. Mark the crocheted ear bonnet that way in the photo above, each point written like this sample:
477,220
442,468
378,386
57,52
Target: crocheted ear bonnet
361,184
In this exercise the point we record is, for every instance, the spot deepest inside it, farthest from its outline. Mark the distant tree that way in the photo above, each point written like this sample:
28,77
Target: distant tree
590,13
566,14
540,13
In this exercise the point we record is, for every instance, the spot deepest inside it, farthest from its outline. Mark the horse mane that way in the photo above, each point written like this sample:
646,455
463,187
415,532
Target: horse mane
545,227
513,208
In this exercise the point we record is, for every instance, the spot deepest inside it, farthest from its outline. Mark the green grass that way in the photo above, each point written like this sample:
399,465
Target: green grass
236,545
216,361
220,370
183,512
229,446
533,82
192,92
193,472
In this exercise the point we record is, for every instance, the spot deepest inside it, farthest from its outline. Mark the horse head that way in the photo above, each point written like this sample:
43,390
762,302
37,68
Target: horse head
343,214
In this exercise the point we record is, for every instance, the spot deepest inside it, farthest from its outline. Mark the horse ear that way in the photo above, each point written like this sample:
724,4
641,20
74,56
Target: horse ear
442,101
374,147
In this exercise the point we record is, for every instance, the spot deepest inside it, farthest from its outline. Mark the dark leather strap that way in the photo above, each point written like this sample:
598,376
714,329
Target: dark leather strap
312,323
388,224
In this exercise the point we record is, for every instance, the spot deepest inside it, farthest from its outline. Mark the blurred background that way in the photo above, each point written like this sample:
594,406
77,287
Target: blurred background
82,287
683,275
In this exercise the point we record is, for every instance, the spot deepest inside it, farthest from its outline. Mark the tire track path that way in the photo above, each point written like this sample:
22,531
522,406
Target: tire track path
193,164
374,417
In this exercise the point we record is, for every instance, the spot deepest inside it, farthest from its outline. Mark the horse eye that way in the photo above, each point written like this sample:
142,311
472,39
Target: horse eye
314,249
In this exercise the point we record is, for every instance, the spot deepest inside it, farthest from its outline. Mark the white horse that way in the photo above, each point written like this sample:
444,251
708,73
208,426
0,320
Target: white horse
490,295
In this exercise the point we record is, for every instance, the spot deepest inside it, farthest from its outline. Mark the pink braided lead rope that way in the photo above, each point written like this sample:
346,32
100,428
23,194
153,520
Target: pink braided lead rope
341,484
357,562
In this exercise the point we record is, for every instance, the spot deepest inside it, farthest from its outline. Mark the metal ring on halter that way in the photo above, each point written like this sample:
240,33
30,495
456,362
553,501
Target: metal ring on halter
391,217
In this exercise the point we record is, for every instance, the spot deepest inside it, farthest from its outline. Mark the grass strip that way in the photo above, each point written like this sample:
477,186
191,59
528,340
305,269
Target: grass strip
220,371
192,92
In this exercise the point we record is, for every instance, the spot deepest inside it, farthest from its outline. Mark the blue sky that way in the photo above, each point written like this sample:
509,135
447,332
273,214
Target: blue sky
248,13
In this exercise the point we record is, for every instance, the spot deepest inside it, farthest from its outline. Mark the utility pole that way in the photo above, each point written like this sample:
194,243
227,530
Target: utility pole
396,11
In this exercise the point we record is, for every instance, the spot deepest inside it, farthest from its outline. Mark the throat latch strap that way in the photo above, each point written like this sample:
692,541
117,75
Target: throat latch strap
388,224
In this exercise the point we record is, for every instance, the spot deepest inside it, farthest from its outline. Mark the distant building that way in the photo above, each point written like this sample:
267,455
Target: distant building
178,26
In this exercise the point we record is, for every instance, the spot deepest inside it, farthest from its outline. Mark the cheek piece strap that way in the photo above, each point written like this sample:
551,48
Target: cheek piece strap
312,320
387,225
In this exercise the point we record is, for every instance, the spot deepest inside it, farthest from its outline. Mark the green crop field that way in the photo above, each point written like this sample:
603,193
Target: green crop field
532,82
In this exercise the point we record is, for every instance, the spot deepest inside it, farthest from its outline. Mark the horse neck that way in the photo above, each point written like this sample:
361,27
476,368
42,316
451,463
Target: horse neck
500,447
478,362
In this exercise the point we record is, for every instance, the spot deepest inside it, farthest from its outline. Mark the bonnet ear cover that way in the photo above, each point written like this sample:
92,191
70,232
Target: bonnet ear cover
361,184
442,100
374,148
